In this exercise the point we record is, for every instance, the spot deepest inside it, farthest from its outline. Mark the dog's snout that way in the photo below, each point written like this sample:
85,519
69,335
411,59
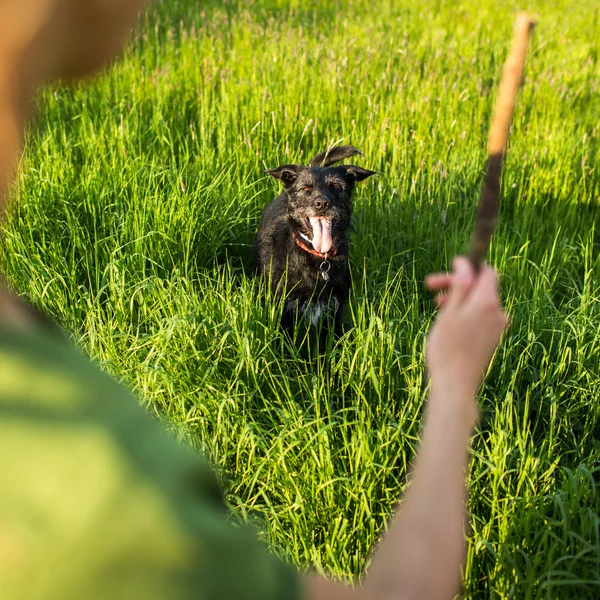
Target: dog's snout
322,204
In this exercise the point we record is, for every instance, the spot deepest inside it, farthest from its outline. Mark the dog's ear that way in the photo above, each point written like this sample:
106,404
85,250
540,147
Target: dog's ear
356,173
333,155
287,174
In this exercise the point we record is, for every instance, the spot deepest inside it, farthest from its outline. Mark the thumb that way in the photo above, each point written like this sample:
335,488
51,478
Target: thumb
464,277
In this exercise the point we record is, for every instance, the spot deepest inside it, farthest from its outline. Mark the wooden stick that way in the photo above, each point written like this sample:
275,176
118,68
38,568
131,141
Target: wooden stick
512,72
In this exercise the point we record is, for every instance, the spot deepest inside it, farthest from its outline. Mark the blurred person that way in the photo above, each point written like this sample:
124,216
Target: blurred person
97,501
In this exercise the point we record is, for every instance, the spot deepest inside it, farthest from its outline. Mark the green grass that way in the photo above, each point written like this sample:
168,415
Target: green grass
139,196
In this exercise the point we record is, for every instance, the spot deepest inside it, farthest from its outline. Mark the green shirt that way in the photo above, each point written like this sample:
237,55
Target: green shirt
97,501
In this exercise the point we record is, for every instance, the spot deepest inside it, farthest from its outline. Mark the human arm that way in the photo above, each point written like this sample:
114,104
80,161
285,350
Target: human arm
421,554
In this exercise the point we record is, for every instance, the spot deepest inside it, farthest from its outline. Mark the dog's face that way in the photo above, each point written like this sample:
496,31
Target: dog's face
319,200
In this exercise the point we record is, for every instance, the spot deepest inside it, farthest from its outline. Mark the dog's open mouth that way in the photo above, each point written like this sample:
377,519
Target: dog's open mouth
321,234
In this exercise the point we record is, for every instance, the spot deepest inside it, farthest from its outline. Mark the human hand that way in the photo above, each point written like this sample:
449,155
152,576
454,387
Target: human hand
463,339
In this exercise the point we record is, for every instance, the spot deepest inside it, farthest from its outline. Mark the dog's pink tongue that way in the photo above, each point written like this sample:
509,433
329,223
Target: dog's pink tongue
321,239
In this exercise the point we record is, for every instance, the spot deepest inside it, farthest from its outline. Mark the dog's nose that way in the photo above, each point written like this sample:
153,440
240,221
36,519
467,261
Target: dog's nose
322,203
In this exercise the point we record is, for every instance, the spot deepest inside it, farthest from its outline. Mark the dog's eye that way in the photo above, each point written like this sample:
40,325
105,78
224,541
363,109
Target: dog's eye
306,188
333,184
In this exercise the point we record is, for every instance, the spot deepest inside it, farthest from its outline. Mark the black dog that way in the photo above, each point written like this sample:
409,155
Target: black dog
301,246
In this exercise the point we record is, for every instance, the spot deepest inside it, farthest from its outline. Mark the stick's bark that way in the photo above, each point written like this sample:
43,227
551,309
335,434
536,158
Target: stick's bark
512,72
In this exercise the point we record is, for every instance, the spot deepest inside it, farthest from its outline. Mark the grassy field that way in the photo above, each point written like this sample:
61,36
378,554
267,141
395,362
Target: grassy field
139,196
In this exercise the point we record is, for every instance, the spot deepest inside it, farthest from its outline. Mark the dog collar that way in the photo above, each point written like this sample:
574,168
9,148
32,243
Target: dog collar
304,247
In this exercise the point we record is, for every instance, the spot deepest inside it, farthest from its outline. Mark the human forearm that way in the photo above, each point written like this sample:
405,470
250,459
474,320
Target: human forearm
420,555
